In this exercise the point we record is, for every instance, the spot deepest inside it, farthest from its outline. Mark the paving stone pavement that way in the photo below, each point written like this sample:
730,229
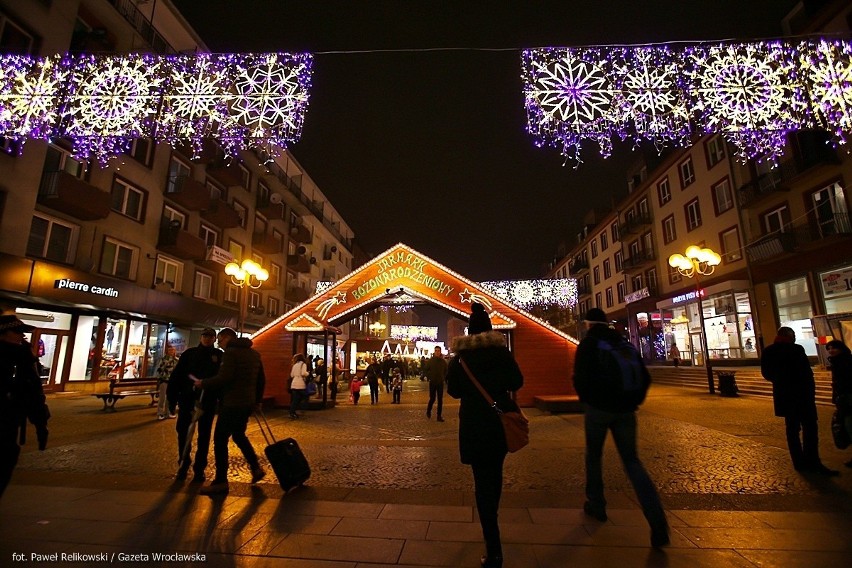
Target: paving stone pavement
387,489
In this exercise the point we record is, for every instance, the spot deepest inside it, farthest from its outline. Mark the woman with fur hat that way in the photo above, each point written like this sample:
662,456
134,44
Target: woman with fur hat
482,442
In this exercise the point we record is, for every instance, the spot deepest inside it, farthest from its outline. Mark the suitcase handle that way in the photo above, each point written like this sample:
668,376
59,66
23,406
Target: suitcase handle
261,426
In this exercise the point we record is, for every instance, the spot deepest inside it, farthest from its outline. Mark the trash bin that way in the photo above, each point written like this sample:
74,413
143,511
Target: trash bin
727,383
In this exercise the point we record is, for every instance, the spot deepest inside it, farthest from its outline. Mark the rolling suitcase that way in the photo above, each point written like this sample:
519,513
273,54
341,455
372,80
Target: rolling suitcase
285,457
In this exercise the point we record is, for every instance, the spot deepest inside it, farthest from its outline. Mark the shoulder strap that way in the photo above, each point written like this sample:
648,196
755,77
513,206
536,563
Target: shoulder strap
491,402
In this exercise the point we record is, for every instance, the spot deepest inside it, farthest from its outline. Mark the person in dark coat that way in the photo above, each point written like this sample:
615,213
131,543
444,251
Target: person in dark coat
786,366
482,441
436,372
21,395
372,374
241,381
840,359
606,410
202,361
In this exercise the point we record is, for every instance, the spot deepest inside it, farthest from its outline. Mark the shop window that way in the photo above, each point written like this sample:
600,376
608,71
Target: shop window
687,173
52,239
692,210
731,248
203,286
128,200
169,274
715,148
664,192
209,235
669,231
723,198
119,259
830,212
793,301
837,289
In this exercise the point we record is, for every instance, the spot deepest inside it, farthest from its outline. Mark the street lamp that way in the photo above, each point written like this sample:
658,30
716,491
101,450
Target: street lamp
376,328
249,274
694,263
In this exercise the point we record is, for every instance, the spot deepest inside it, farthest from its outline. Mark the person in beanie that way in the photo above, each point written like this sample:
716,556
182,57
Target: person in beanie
241,381
482,441
608,409
436,371
21,395
202,362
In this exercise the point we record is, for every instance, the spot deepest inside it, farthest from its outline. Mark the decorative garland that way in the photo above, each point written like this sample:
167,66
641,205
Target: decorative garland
103,103
751,93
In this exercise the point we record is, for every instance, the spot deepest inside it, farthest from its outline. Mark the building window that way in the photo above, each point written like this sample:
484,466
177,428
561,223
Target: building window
59,159
609,297
242,211
607,269
664,192
128,200
236,250
273,307
731,248
262,192
209,235
597,274
693,215
172,214
619,261
642,208
177,169
621,291
275,272
119,259
715,151
203,286
604,241
245,177
217,193
777,220
613,230
232,294
254,300
594,249
723,197
14,39
830,212
687,173
651,280
674,275
635,250
669,231
52,239
636,282
598,303
142,150
169,273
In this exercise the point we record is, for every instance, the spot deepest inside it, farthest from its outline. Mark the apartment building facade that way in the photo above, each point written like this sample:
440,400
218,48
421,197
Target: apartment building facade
113,263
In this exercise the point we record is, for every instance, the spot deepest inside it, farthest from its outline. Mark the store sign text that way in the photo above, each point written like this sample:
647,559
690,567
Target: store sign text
838,282
687,297
401,266
68,284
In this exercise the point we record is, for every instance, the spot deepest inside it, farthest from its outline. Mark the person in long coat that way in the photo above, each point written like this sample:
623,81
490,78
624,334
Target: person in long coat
482,441
786,366
840,358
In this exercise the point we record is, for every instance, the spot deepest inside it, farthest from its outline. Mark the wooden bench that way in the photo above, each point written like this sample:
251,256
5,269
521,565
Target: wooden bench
128,387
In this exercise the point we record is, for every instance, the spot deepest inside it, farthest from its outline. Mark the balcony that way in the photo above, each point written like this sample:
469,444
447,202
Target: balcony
182,244
221,214
266,243
143,26
70,195
638,261
188,193
635,224
300,233
266,206
296,294
797,238
578,266
207,154
583,290
298,262
780,178
228,173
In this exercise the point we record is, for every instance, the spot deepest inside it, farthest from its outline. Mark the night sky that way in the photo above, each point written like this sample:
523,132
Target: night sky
428,147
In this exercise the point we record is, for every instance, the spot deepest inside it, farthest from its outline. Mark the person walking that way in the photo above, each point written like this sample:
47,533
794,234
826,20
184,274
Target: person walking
373,373
610,406
164,371
840,358
436,372
786,366
355,389
387,368
21,395
298,383
241,381
482,441
202,361
321,374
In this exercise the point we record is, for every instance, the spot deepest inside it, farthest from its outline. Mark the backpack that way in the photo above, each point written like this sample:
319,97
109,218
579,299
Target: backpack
621,366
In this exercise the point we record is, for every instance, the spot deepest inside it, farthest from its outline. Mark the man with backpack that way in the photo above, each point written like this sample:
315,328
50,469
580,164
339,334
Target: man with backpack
612,381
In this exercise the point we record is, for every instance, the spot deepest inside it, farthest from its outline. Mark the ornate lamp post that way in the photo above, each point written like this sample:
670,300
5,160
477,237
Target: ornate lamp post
694,263
376,328
249,274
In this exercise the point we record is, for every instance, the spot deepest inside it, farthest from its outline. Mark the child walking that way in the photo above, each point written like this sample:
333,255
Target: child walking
396,385
355,389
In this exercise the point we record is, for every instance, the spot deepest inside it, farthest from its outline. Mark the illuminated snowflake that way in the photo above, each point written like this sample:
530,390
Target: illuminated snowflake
749,93
526,294
112,102
523,293
828,66
29,96
271,96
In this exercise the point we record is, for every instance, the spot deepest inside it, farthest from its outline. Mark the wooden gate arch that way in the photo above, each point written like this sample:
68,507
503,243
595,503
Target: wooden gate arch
545,354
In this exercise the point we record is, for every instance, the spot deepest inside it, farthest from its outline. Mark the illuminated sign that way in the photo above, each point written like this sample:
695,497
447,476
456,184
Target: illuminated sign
688,297
638,295
409,332
400,266
68,284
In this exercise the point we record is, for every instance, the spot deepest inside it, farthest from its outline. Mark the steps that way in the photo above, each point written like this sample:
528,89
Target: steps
749,380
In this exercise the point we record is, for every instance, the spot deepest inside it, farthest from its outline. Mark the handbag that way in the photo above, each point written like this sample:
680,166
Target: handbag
516,427
311,389
838,431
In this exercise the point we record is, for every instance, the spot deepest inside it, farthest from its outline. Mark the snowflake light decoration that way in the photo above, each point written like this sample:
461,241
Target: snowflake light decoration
828,68
749,93
112,102
28,95
525,294
271,96
568,97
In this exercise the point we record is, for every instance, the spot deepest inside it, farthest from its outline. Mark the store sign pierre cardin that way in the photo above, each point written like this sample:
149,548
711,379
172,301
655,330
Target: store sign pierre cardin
85,287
